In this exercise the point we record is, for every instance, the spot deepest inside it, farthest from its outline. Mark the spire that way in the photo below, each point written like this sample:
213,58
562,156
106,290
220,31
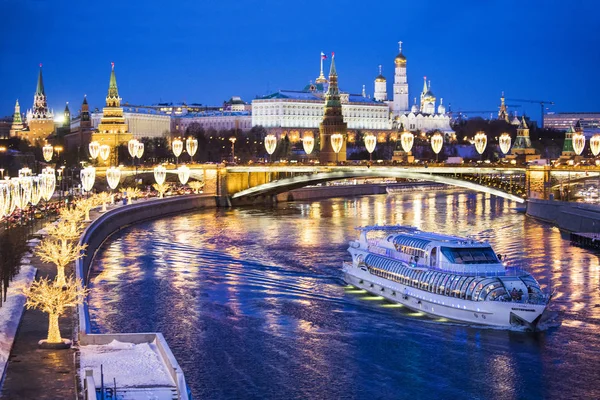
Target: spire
424,84
40,84
67,108
523,123
17,120
332,71
380,70
364,92
321,78
84,99
113,99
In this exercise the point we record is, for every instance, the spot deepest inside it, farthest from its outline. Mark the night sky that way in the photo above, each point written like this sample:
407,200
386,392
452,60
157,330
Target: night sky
207,51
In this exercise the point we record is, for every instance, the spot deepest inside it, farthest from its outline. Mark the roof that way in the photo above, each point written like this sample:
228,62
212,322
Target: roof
216,114
314,96
411,241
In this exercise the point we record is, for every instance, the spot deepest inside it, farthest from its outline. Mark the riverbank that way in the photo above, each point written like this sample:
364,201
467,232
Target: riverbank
568,216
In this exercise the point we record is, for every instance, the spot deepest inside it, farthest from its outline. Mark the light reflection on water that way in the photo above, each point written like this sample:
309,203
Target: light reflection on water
252,304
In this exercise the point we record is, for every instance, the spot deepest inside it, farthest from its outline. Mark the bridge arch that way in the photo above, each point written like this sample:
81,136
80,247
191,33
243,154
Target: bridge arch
287,184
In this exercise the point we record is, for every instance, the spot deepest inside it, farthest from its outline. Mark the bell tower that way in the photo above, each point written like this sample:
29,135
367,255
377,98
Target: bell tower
400,100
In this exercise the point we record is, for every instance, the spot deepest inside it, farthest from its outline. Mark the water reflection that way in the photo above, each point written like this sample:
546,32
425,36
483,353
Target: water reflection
253,305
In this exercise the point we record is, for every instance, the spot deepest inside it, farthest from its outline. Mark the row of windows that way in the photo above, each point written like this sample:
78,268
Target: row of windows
459,286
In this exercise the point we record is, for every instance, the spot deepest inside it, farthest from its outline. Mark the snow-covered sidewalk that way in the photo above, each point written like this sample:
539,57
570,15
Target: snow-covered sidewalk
12,310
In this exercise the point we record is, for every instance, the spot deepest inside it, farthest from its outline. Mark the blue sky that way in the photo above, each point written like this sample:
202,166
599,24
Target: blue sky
207,51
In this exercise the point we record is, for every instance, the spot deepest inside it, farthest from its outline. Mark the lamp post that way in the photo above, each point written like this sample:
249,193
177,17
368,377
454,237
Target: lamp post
505,142
191,146
58,149
337,141
308,143
437,141
370,143
270,144
48,152
113,177
480,140
177,147
578,146
183,173
232,140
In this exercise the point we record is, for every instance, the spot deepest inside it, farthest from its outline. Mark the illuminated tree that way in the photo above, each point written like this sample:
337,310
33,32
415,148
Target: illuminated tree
132,193
51,250
86,205
53,299
104,198
64,231
196,186
161,189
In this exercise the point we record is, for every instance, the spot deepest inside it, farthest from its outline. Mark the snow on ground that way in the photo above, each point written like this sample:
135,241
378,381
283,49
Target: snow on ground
132,365
11,311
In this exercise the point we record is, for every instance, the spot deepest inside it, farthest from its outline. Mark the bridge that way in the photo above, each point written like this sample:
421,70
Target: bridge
261,182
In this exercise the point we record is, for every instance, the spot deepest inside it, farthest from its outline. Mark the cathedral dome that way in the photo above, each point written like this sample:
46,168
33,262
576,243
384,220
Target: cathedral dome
414,109
400,60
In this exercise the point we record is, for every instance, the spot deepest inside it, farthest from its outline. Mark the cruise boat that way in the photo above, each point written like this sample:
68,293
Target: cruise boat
444,276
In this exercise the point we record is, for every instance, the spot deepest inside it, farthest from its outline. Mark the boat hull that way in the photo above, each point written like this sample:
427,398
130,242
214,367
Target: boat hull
505,315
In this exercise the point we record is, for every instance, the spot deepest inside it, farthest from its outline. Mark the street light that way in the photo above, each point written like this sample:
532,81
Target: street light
191,145
177,146
337,141
183,173
578,142
232,140
480,140
370,143
88,176
48,152
437,141
505,142
308,142
160,173
270,144
94,148
104,152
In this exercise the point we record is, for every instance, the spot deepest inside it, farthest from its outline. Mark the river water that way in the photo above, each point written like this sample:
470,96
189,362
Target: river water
252,304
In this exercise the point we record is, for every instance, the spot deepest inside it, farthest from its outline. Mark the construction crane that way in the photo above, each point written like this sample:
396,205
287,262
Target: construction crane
542,104
461,112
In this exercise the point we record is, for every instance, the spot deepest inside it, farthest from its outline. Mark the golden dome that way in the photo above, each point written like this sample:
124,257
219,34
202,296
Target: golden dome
400,59
380,78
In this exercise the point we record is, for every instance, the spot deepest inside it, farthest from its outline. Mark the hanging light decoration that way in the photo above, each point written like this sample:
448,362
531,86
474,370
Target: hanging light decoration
36,190
11,205
113,177
191,146
22,191
407,140
132,147
25,172
104,152
270,143
370,143
337,141
308,142
437,141
48,182
88,176
94,148
4,199
480,140
505,142
177,146
183,172
595,144
160,173
139,150
48,152
578,142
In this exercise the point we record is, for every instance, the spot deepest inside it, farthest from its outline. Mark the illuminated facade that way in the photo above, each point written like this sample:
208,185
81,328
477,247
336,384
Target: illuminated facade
218,120
80,128
40,120
112,129
141,122
17,121
563,121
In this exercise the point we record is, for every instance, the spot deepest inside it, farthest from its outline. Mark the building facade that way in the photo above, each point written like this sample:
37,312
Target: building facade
217,120
141,122
563,121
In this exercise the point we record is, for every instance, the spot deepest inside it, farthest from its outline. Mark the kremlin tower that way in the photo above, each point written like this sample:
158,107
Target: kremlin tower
112,129
503,113
333,121
522,146
40,120
17,123
400,101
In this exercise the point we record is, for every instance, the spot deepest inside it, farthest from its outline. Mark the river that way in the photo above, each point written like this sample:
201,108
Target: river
253,305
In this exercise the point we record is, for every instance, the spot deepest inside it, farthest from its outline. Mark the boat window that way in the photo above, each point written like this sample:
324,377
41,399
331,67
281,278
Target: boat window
480,285
470,288
433,258
452,287
425,281
442,286
466,255
437,281
456,288
496,294
464,286
487,289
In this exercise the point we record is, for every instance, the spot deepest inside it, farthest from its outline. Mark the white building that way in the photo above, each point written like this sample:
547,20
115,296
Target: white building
218,120
304,109
142,122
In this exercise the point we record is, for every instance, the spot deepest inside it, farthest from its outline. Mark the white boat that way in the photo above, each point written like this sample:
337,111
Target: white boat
444,276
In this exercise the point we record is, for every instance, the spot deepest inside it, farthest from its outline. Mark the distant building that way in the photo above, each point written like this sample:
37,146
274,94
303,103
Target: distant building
40,119
218,120
5,127
80,129
141,121
563,121
17,121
